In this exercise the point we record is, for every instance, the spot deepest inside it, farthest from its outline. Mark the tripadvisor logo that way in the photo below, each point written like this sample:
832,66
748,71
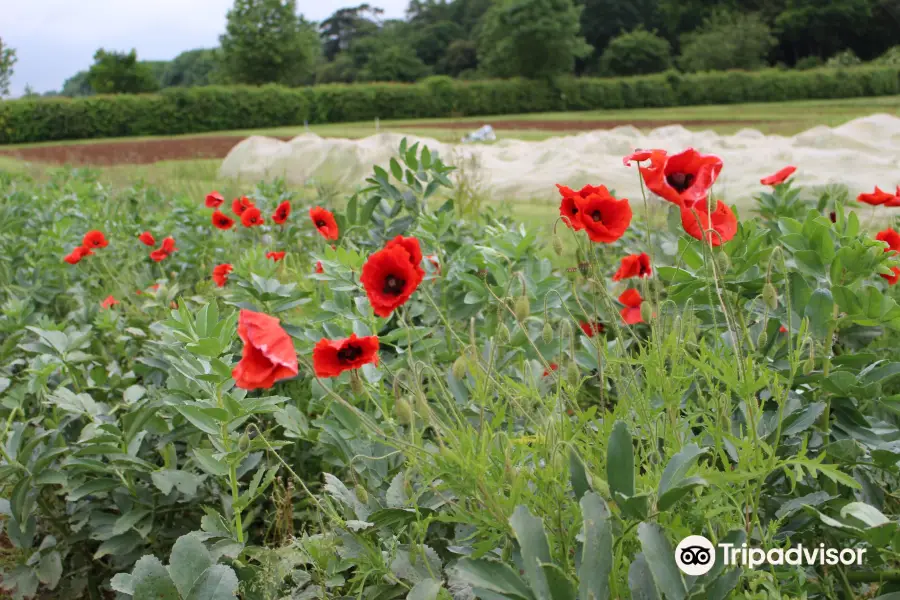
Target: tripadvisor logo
695,555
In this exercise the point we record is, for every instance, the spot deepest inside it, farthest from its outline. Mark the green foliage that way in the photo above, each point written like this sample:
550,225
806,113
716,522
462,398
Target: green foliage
265,41
7,62
889,58
822,28
638,52
531,38
727,40
345,26
191,68
120,73
77,85
809,62
844,58
213,108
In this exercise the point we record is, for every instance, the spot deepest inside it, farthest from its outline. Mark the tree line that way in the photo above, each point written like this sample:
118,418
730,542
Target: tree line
267,41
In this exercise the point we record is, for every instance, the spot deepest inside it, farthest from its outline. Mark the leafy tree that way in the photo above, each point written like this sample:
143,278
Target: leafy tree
461,55
845,58
823,28
431,41
340,70
727,40
266,41
637,53
120,73
192,68
346,25
602,20
77,85
381,58
531,38
7,60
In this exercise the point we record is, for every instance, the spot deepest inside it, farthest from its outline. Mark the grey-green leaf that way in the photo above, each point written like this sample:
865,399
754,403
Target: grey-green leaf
151,581
49,570
189,559
678,490
597,552
427,589
819,309
661,560
494,577
578,475
620,460
678,468
640,580
216,583
561,588
535,550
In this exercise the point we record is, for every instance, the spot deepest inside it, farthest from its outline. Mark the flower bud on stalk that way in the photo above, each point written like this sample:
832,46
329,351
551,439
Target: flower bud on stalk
572,375
502,333
646,312
422,407
557,245
810,364
403,410
522,308
763,338
770,295
244,442
547,333
361,494
356,383
459,367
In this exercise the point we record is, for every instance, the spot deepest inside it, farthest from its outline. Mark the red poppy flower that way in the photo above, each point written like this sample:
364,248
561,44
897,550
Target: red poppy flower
632,312
390,278
411,245
782,329
876,198
893,279
779,177
282,212
634,265
252,217
222,221
154,287
891,237
276,256
684,178
159,255
895,201
147,238
637,156
220,274
333,357
324,222
109,302
591,329
168,245
268,353
553,367
214,200
319,268
431,258
240,205
603,217
568,207
75,256
94,239
722,221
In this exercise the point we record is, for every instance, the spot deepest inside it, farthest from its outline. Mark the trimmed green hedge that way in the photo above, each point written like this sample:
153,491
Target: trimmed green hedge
214,108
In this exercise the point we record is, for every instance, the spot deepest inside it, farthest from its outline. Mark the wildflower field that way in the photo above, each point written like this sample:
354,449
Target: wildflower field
396,395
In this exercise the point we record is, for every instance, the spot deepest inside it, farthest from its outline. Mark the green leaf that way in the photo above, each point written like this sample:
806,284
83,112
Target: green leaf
661,561
578,475
216,583
637,507
529,531
620,460
561,587
187,562
678,467
494,577
213,466
427,589
396,169
865,513
134,393
678,490
819,310
49,570
201,419
879,374
640,580
151,581
95,486
129,520
597,552
184,482
119,545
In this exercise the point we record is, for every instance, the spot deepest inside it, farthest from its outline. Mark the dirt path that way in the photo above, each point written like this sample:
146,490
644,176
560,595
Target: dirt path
124,151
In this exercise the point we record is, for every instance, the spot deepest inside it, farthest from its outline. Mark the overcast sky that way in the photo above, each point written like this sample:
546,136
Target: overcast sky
54,39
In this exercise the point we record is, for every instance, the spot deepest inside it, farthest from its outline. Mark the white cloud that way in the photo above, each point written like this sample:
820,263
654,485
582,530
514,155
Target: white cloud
54,39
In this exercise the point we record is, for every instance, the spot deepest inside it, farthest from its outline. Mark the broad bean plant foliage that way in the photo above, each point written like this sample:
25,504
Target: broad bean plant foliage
388,398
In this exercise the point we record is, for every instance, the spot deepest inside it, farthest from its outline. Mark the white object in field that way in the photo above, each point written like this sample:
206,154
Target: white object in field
484,134
859,154
377,127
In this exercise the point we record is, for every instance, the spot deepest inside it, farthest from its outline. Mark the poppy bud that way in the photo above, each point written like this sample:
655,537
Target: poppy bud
361,494
723,262
403,410
472,338
356,383
502,333
763,338
459,367
572,375
557,245
646,312
244,442
810,364
547,333
422,407
522,308
770,296
559,463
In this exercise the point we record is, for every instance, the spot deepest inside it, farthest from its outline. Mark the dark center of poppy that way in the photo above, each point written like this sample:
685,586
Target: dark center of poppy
680,181
643,270
833,216
393,285
320,223
596,216
348,354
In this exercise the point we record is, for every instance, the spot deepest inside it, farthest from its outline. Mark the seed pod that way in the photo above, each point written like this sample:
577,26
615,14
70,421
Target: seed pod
422,407
547,333
361,494
557,245
763,338
472,338
459,367
770,295
522,308
403,410
572,375
723,262
646,311
502,333
244,442
810,364
356,383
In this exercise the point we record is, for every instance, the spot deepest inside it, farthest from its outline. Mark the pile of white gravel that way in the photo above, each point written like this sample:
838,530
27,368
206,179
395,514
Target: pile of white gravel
859,154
